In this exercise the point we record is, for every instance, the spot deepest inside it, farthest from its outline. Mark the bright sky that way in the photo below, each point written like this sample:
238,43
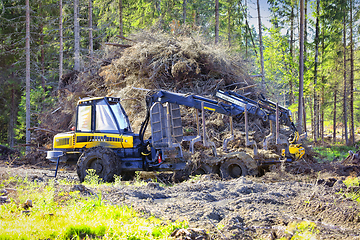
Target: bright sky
264,11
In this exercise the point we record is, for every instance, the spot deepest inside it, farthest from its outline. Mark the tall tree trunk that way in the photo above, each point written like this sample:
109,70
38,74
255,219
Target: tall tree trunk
291,83
77,36
91,45
12,117
301,68
158,7
42,52
184,11
345,90
322,83
334,119
261,47
312,117
246,30
42,57
322,115
316,106
61,52
305,34
352,128
194,13
121,33
27,47
216,21
229,23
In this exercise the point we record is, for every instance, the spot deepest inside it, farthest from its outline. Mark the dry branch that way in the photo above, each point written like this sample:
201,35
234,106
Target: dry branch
43,130
122,37
118,45
243,88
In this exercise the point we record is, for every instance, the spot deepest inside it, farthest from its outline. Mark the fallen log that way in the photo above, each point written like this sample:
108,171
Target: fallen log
5,150
118,45
122,37
352,158
43,130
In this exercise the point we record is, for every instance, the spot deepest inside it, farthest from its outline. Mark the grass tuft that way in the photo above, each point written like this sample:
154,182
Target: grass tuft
303,230
82,231
353,192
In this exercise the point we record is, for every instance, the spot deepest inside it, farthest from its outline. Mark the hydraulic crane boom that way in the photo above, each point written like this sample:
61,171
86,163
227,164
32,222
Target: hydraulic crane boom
193,101
263,108
234,105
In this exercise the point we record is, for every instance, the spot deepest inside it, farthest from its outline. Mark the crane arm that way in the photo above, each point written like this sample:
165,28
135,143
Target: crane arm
263,108
193,101
234,105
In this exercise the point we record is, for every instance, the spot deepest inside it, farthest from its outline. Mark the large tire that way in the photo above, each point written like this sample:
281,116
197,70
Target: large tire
102,159
233,168
127,176
203,169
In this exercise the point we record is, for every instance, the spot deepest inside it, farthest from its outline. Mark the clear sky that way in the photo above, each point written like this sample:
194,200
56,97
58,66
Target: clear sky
264,11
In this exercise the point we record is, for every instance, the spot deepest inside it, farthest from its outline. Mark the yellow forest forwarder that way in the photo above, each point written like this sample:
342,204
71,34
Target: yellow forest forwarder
103,139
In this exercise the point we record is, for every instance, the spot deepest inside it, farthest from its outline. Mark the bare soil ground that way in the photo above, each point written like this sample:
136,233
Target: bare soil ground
243,208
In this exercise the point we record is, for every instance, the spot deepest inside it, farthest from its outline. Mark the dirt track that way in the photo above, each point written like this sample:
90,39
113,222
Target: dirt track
244,208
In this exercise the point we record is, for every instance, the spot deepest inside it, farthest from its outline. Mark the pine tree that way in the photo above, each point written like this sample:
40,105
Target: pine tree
61,46
261,47
76,36
27,47
301,68
217,21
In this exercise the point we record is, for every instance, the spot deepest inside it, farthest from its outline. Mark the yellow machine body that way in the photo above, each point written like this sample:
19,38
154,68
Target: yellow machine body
296,150
99,122
72,140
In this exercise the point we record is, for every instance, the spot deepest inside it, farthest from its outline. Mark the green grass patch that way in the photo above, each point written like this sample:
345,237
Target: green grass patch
68,215
333,153
301,230
353,193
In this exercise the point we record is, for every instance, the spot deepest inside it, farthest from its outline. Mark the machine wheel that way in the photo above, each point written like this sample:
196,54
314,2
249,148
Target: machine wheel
203,169
233,168
127,176
102,159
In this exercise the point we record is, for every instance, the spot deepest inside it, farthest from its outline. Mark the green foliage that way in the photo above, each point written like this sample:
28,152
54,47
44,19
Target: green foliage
40,100
67,215
352,181
194,178
301,231
91,178
117,180
336,152
353,192
277,60
82,231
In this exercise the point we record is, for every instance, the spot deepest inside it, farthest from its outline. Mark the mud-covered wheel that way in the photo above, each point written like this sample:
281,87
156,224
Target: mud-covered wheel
102,160
203,169
233,168
128,175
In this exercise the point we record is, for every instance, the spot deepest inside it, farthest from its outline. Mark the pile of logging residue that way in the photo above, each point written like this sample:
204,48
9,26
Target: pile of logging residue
156,60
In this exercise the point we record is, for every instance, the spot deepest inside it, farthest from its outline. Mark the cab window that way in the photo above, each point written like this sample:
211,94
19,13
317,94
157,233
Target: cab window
105,121
84,119
121,117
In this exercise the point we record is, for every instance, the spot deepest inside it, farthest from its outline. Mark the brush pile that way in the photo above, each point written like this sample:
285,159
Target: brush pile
183,63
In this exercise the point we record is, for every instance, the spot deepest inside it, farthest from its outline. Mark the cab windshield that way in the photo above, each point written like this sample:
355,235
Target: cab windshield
105,121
